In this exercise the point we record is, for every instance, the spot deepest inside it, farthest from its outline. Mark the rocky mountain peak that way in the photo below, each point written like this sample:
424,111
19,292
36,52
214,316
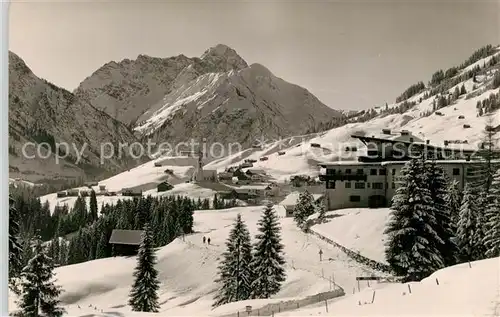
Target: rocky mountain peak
224,57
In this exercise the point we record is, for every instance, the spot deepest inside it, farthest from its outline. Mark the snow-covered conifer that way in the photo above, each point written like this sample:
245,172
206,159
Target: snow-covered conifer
492,219
268,260
235,272
144,293
437,184
40,296
412,238
469,238
305,207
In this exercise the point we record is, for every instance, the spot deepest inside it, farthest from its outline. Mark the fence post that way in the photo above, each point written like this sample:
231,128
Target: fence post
437,281
409,288
373,297
326,305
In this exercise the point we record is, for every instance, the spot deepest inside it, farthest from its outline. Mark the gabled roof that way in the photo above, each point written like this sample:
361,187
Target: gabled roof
128,237
293,198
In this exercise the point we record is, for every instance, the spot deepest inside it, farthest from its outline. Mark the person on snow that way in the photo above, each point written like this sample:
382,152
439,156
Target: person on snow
204,240
208,240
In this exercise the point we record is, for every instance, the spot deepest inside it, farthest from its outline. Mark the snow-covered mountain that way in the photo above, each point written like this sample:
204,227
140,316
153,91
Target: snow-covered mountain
42,112
425,114
217,96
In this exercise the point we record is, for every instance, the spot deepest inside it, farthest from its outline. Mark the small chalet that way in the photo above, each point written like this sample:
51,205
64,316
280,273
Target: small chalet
164,186
131,192
125,242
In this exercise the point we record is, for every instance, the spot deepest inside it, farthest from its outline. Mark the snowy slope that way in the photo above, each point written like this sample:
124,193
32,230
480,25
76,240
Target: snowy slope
301,158
462,292
146,177
358,229
188,269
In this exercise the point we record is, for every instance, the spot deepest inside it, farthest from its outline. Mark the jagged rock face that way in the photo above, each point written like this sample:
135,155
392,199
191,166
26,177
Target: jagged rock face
42,112
127,89
233,107
217,97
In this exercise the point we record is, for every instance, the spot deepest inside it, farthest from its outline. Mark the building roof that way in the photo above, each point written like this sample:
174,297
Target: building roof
129,237
293,198
472,162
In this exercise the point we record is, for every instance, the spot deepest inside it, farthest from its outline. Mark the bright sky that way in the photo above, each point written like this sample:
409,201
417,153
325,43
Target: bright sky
350,54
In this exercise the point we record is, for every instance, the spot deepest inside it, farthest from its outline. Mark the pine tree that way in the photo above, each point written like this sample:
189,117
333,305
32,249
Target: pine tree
93,207
437,184
102,244
412,249
453,200
144,293
304,208
268,260
492,217
469,237
235,272
39,293
463,91
322,211
15,248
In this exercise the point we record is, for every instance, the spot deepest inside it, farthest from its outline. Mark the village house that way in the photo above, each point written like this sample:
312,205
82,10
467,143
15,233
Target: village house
125,242
372,179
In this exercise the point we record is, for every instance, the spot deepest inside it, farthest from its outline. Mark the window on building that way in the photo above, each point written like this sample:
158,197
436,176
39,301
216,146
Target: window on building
348,185
359,185
373,171
393,171
411,139
355,198
348,171
378,185
330,171
359,171
393,185
456,171
367,185
330,184
382,171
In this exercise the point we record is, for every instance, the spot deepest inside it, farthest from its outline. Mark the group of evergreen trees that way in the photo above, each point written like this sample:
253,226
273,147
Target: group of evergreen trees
490,104
434,225
247,272
169,216
33,255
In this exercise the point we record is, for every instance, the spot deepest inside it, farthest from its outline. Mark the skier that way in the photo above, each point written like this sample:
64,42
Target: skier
204,240
208,240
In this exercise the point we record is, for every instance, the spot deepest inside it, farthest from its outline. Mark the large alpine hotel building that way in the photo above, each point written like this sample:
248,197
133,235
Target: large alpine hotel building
371,181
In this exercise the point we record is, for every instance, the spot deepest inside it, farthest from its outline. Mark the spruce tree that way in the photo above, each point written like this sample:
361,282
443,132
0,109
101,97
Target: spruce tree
102,245
492,219
322,211
268,260
412,247
303,209
15,248
453,201
469,237
39,293
93,207
235,272
144,293
437,184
